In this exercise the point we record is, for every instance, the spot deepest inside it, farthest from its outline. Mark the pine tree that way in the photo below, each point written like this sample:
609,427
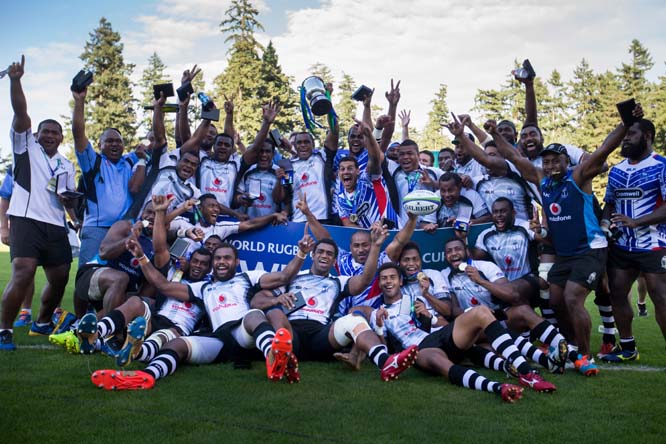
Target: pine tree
583,95
242,77
632,78
276,85
656,111
346,108
109,102
433,138
554,118
322,71
153,74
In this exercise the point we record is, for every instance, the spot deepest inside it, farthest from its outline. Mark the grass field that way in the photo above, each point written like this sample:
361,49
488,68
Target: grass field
46,397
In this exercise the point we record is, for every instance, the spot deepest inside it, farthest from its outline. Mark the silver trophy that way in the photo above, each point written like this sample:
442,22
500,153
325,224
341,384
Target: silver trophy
315,93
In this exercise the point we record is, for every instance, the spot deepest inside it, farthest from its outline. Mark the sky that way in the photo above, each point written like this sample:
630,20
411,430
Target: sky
424,43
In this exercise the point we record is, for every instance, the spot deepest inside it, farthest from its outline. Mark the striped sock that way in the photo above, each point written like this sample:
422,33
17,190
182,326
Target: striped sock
602,300
379,355
485,358
110,323
466,377
263,337
528,350
163,365
502,341
148,350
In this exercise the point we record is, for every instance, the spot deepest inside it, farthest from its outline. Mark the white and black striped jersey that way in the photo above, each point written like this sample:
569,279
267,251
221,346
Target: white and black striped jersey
266,181
470,294
312,176
321,294
510,249
404,183
219,178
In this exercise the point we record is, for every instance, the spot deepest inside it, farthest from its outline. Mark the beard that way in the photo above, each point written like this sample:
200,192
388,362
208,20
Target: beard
634,151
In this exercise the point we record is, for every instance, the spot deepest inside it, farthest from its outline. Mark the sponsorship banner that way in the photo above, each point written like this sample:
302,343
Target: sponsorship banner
271,248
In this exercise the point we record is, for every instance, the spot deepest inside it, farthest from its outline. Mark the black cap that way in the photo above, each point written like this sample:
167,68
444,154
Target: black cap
556,148
456,141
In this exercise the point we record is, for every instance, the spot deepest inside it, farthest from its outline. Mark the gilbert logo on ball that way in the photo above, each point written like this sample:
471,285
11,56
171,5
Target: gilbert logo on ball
421,202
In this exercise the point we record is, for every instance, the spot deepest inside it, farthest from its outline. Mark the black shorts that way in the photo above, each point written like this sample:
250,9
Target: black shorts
533,281
82,283
159,322
311,340
47,243
644,261
443,340
585,269
232,350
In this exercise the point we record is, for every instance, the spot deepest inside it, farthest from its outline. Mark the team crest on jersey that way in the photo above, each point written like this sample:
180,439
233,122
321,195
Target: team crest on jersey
312,302
555,208
565,193
592,277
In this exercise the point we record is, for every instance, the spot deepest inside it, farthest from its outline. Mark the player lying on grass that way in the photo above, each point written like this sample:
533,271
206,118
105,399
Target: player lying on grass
237,329
316,337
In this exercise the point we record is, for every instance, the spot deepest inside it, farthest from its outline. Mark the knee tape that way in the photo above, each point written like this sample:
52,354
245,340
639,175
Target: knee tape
349,325
202,350
161,337
544,268
146,312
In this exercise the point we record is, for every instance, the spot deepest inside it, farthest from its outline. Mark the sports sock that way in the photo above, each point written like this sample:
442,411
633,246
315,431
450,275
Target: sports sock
148,350
502,341
466,377
110,323
602,300
263,337
528,350
485,358
547,334
628,344
379,355
163,365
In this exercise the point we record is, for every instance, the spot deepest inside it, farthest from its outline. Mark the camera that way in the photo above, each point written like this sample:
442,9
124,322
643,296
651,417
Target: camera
208,110
361,93
81,81
526,72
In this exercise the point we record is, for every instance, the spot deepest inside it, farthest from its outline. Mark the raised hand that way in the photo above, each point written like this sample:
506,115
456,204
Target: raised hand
161,203
302,204
378,233
367,100
405,117
393,95
383,121
16,69
229,104
306,243
161,101
134,247
465,120
455,127
270,111
364,127
189,74
491,127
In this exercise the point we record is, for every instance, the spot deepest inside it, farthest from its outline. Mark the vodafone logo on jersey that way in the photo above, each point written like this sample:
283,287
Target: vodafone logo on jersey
188,305
217,181
221,298
305,177
555,209
508,260
474,301
134,262
312,302
262,197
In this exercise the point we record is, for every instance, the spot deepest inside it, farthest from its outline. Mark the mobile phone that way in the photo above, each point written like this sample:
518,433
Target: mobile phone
179,248
81,80
254,188
298,304
626,109
166,88
361,93
275,137
528,67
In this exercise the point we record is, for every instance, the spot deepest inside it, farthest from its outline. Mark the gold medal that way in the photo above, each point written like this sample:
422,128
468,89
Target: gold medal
353,218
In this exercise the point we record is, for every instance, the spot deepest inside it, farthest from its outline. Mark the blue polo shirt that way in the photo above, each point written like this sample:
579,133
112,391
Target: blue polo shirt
109,199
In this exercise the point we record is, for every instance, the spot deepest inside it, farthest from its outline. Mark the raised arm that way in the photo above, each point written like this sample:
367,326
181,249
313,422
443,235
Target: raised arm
531,115
113,244
160,205
526,168
358,283
139,175
182,129
21,120
393,98
375,155
158,121
318,230
394,248
268,114
279,278
480,134
229,116
594,165
333,136
174,290
79,122
496,165
405,117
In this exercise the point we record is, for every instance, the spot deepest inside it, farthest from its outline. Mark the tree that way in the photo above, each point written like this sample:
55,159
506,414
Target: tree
242,77
276,85
432,138
322,71
633,82
109,103
346,107
656,111
153,75
554,112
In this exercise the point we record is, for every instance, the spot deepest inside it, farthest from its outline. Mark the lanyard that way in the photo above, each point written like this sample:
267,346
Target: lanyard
48,163
412,180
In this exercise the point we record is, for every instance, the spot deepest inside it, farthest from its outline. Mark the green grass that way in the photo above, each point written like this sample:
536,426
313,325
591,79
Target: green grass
46,397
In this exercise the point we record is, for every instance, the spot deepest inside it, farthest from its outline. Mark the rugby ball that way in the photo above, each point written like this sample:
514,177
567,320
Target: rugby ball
421,202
